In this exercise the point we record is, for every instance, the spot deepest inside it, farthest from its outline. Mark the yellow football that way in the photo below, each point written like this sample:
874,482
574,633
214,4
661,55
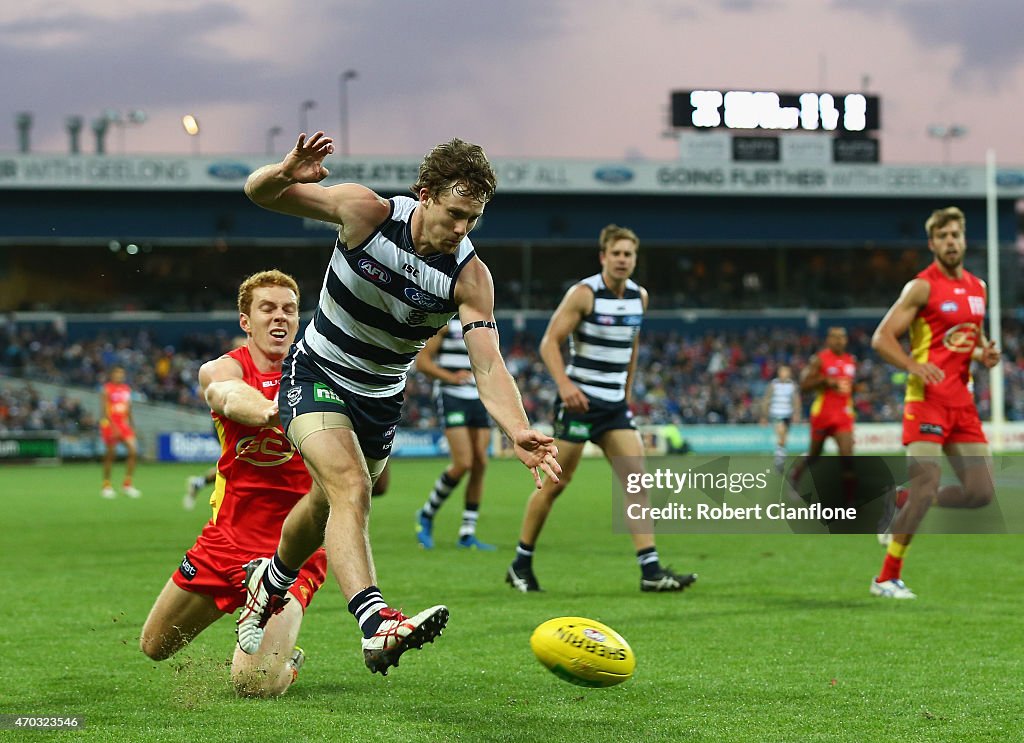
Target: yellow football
583,651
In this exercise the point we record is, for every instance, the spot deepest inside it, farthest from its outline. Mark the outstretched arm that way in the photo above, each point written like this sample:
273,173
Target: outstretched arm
228,395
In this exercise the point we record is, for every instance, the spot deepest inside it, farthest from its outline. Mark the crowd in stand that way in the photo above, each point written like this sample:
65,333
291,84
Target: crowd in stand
709,377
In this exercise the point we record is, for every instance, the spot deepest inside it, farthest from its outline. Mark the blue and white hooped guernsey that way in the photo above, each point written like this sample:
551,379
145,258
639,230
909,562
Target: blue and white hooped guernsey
379,304
454,356
602,345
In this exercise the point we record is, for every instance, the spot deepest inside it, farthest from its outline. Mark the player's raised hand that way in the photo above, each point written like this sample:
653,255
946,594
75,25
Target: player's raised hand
538,452
990,355
304,164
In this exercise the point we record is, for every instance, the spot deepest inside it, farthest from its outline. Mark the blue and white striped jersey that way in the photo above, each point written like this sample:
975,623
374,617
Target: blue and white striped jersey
379,304
454,356
601,347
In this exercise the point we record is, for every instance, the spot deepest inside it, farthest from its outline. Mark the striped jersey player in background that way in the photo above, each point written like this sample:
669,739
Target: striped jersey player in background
401,269
467,428
781,407
601,317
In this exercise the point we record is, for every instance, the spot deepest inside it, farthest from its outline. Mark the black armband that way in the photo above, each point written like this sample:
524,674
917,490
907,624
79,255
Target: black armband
478,324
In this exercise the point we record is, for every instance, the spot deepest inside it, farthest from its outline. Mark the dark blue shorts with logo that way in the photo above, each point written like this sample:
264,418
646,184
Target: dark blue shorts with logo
306,388
599,419
456,411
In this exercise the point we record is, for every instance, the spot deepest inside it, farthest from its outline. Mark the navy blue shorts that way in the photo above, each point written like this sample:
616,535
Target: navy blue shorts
305,388
454,412
601,418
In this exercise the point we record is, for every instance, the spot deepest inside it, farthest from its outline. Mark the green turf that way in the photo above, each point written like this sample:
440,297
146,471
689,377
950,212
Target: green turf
778,641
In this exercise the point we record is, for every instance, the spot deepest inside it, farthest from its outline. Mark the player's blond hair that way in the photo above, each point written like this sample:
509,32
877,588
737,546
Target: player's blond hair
273,277
941,217
457,164
613,232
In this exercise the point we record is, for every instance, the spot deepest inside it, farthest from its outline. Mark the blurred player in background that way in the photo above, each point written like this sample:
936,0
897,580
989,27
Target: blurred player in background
261,478
401,269
196,483
116,426
943,309
467,428
601,317
830,374
781,407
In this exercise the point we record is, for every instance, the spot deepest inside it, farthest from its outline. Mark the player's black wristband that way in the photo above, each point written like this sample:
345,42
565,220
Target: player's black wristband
478,324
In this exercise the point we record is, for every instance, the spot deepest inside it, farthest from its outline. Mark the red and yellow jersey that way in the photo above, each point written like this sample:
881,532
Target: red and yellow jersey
828,402
945,332
260,475
117,398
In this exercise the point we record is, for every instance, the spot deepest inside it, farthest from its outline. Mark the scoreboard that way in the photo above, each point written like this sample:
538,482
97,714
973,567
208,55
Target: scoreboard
842,113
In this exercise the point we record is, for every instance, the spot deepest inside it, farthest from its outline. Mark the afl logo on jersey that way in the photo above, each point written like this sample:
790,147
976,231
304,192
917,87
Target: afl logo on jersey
422,299
949,307
961,338
373,271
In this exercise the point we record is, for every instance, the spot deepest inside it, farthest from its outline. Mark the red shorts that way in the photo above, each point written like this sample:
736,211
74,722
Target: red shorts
830,424
216,568
927,421
115,429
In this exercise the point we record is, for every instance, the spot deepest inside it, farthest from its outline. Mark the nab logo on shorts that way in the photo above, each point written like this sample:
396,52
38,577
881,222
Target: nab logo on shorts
323,393
187,569
457,418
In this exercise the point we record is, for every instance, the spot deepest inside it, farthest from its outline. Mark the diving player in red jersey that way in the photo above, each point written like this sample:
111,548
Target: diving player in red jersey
830,375
943,308
116,426
260,476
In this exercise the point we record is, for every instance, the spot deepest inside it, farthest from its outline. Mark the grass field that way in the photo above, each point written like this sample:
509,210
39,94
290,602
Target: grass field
778,641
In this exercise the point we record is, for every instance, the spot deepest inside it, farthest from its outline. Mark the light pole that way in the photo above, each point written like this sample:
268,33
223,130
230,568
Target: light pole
135,117
271,133
191,126
946,132
303,117
343,84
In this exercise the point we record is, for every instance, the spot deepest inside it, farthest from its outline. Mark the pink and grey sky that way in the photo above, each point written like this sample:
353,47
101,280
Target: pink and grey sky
526,78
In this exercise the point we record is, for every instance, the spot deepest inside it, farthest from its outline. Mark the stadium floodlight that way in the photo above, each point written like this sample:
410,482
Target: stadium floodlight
343,92
191,125
304,108
946,133
271,133
122,120
23,120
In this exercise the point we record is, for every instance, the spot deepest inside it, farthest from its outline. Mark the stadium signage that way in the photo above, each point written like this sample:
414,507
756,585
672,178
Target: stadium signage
802,176
28,447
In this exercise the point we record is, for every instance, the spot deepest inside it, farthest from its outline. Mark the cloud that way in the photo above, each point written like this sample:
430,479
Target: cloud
986,35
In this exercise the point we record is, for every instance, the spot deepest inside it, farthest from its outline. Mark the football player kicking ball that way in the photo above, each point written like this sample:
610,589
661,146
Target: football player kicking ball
943,308
603,314
261,478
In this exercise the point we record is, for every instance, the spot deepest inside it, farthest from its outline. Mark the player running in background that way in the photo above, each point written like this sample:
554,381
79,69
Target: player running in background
261,478
830,374
601,317
467,428
781,406
943,309
401,269
116,425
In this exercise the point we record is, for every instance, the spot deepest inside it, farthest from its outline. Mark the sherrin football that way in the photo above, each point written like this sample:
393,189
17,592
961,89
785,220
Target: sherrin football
583,651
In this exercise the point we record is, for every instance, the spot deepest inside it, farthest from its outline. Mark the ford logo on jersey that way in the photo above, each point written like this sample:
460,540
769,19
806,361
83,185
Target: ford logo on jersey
613,174
374,272
422,299
948,307
229,171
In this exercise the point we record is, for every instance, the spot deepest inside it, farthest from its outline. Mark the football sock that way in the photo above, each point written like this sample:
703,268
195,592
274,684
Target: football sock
469,517
893,563
650,566
365,606
279,577
524,556
442,489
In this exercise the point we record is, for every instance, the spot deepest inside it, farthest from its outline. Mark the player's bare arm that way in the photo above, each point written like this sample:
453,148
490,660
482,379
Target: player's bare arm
986,351
575,305
812,378
631,372
227,394
292,187
474,293
426,362
896,323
